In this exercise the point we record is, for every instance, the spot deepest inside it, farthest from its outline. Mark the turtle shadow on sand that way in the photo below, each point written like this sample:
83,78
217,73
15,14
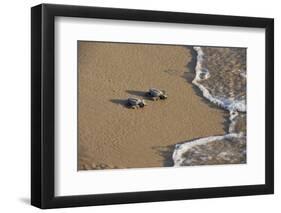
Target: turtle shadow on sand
121,102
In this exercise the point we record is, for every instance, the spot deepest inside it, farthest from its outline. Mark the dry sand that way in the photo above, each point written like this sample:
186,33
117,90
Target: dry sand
114,136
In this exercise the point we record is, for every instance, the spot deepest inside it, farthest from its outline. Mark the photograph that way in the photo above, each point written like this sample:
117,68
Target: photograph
143,105
139,105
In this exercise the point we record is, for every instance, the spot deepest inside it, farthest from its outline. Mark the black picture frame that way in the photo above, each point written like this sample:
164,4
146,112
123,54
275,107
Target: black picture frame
43,102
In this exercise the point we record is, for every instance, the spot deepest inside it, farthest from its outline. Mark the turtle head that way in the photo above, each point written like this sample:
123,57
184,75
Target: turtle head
164,96
142,103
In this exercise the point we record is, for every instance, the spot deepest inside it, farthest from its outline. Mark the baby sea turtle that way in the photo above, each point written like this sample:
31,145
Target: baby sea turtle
157,94
136,103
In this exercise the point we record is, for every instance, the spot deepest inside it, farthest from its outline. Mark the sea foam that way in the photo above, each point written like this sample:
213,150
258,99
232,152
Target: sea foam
229,104
234,106
181,149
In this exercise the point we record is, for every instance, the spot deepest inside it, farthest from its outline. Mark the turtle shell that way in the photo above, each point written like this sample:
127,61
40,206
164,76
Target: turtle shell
134,101
155,92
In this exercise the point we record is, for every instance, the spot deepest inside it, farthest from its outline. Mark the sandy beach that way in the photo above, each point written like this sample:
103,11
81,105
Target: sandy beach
113,136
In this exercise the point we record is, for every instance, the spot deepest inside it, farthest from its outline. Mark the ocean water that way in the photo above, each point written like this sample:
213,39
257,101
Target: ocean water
220,74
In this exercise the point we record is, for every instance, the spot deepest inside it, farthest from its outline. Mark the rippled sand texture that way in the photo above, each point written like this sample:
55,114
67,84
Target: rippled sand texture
113,136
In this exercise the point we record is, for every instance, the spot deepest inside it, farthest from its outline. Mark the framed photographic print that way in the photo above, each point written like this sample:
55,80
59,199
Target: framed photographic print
140,106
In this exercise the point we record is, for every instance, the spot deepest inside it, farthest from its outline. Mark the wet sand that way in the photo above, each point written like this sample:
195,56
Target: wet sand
114,136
